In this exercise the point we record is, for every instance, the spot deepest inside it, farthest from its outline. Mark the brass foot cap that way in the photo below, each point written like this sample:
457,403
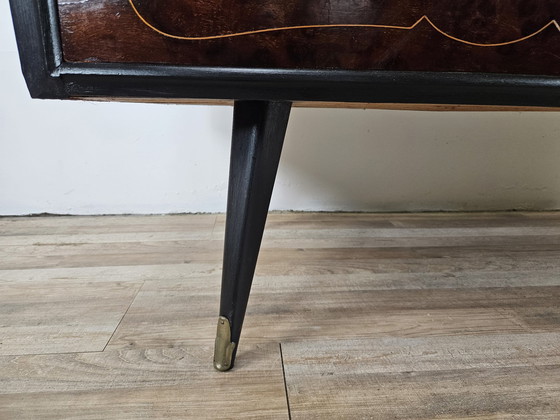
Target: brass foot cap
224,347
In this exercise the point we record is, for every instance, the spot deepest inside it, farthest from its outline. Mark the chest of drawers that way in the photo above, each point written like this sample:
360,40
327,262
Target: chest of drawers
265,55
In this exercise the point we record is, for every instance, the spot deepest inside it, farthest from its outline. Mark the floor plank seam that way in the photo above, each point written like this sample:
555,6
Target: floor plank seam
508,313
285,382
214,227
122,318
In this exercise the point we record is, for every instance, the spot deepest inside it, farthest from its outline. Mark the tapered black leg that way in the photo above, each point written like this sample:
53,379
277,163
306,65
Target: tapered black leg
259,128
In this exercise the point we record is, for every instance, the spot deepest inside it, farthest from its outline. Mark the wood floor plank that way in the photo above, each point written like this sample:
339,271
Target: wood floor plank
510,239
402,313
75,254
171,383
120,273
303,262
312,221
423,378
334,259
76,225
423,277
67,240
484,219
61,316
290,308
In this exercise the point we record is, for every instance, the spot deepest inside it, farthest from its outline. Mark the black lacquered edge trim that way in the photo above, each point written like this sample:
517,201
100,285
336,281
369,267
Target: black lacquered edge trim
39,46
158,81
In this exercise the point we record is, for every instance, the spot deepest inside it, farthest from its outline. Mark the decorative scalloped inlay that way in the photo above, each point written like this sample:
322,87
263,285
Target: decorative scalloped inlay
424,18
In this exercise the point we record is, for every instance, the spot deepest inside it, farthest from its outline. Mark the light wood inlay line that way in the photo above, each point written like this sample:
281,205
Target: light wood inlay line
340,25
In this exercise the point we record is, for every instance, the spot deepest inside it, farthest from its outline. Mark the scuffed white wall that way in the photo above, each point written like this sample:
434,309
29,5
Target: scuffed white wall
100,158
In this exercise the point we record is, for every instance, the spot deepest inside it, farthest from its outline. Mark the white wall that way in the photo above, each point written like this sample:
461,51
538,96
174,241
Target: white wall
97,158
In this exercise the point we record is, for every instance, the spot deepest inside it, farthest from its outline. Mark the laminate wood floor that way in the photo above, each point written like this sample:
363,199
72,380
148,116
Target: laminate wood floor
352,316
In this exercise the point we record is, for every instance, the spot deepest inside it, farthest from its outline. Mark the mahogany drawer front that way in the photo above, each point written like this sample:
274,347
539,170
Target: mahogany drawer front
488,36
